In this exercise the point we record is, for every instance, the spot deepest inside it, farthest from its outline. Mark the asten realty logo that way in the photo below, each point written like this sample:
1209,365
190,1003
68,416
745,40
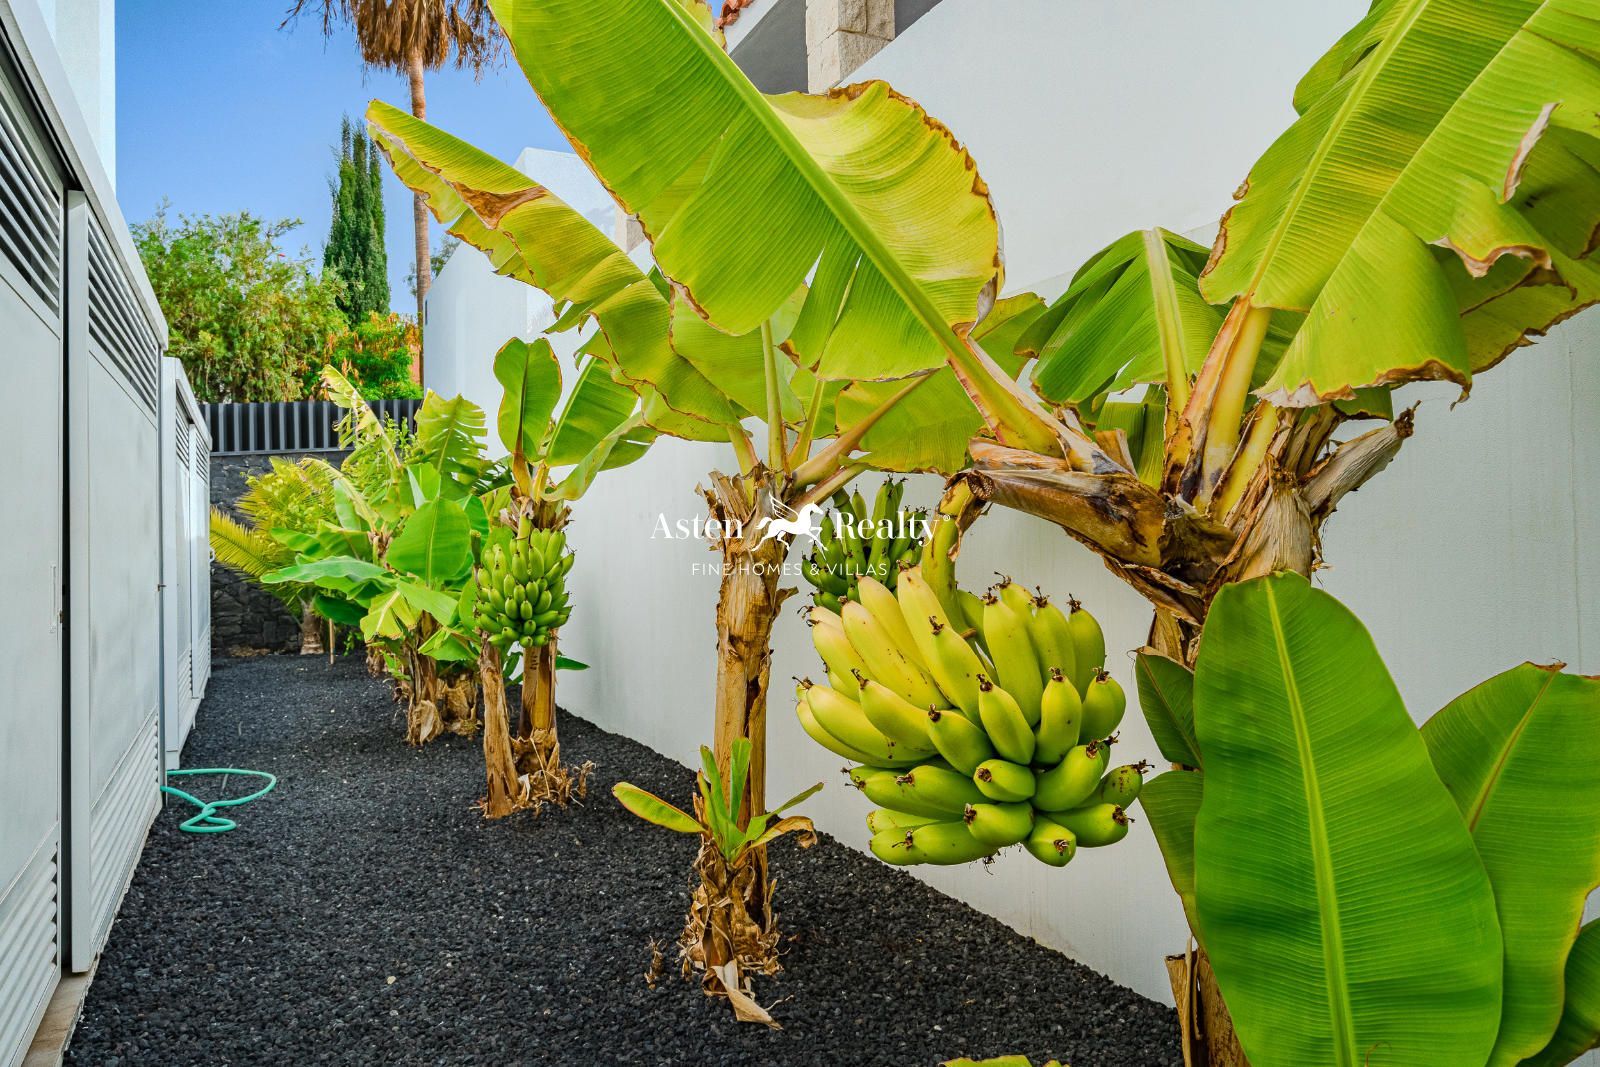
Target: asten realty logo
807,522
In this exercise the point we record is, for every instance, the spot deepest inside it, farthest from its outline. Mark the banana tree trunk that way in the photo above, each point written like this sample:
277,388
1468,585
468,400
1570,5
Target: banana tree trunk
537,744
505,794
424,722
311,643
740,930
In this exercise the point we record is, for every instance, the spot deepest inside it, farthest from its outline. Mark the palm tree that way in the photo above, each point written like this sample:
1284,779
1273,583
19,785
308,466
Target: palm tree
413,36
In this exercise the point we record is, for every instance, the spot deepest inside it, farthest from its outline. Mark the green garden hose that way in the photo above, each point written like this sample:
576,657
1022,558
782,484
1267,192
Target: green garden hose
208,821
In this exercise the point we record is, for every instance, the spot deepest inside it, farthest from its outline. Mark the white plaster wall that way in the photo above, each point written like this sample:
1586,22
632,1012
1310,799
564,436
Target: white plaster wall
1474,551
85,37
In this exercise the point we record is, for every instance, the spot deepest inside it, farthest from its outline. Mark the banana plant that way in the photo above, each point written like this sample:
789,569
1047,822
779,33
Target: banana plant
764,364
1368,892
731,838
599,427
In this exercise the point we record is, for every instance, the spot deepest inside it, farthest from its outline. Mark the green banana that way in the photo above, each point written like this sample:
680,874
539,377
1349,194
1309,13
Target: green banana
948,843
885,661
1016,597
1004,722
999,825
1011,649
1052,637
813,729
962,744
1051,843
893,846
926,789
1121,785
523,587
1003,780
1060,718
938,568
1074,780
1096,825
1088,646
892,717
881,819
1103,706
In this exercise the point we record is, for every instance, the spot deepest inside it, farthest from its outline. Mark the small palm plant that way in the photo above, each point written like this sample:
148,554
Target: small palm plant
730,852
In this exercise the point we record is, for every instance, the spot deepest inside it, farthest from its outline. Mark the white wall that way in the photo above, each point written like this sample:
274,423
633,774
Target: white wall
85,38
1473,551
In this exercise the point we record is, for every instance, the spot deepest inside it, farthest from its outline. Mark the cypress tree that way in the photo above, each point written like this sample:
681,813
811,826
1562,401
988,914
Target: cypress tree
354,252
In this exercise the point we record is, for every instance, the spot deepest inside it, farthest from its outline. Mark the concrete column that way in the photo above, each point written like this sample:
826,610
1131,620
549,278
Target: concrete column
627,232
841,35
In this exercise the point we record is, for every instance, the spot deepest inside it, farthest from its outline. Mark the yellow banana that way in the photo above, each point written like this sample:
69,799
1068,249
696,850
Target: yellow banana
1096,824
1103,706
1011,649
885,661
813,728
882,605
844,719
999,825
1015,597
1060,717
938,568
1004,722
1004,781
951,661
895,719
1088,646
1052,638
1051,843
827,634
961,743
1074,779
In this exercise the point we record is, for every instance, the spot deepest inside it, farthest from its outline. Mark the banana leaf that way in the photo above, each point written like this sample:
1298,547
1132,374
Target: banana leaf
1433,204
435,544
653,809
1166,696
1518,754
597,406
531,378
860,194
1345,910
1579,1029
1171,801
449,438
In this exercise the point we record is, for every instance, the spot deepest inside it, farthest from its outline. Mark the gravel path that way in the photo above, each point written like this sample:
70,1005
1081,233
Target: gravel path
364,914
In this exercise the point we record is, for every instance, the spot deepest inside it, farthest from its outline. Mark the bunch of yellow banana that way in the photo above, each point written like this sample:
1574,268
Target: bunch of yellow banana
522,588
855,541
977,723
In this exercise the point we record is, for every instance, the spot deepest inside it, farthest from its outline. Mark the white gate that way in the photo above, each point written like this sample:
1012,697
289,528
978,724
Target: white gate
186,557
31,219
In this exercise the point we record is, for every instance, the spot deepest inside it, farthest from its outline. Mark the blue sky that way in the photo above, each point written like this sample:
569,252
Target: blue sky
219,111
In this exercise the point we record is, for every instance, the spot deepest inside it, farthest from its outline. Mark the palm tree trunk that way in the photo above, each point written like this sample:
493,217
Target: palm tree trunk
419,213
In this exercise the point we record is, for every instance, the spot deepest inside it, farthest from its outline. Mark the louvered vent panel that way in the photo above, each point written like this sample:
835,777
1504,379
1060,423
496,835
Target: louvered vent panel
117,324
29,945
30,211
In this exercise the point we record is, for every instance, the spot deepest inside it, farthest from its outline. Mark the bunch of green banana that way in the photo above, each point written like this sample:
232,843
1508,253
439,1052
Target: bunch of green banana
522,588
978,723
855,542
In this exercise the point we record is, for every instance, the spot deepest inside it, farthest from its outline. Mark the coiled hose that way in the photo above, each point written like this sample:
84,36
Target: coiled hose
208,821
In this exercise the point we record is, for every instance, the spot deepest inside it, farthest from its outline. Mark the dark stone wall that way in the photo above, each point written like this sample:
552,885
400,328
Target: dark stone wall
245,617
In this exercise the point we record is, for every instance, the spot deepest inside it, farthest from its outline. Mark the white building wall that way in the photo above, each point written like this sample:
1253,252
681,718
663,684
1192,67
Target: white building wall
1475,550
85,33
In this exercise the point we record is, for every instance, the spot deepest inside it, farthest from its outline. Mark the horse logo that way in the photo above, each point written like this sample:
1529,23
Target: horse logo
790,522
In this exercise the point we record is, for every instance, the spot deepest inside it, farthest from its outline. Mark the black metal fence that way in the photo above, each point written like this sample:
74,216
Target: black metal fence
288,426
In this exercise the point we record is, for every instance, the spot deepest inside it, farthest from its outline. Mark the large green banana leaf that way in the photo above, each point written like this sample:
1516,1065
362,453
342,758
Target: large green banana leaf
1519,754
1345,910
531,378
530,234
1579,1030
434,544
1437,138
449,438
594,410
1131,313
859,194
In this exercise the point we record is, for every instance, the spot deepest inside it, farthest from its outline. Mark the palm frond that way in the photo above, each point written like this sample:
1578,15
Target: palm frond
250,551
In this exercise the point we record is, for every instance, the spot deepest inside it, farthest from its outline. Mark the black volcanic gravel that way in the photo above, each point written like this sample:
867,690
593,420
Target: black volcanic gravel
365,914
